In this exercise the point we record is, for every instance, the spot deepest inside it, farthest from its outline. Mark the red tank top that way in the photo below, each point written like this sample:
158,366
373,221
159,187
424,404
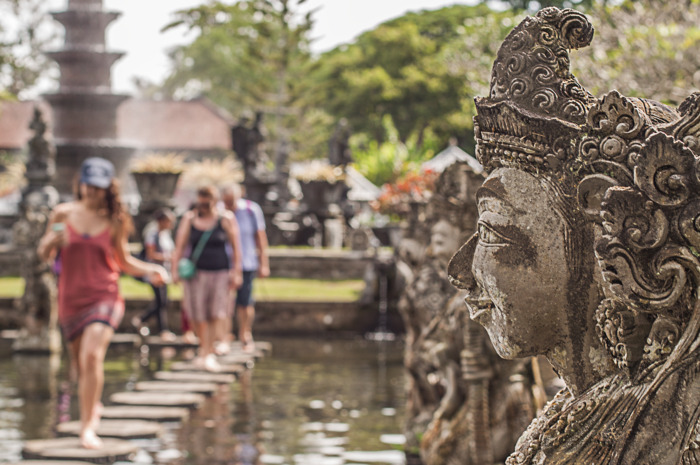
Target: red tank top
89,273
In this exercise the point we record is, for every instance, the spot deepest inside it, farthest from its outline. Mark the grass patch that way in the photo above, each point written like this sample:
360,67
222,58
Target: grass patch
270,289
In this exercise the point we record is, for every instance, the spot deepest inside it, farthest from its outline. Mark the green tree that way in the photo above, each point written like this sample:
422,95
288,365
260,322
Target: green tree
247,56
26,31
534,5
407,68
644,48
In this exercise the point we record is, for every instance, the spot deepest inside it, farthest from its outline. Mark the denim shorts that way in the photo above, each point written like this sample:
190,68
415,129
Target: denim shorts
244,296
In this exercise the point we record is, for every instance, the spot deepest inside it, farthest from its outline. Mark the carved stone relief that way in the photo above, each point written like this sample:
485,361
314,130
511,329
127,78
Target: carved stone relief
587,252
465,405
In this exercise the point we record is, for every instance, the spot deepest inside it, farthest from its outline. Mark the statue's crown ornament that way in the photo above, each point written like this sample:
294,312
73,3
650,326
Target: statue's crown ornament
534,99
634,165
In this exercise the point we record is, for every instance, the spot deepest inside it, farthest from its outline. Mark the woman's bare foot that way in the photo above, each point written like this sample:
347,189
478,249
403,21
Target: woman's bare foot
189,337
90,440
221,348
247,341
167,336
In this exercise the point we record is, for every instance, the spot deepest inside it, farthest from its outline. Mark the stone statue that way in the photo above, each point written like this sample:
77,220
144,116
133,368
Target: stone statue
37,308
248,142
587,252
240,145
41,165
464,404
339,146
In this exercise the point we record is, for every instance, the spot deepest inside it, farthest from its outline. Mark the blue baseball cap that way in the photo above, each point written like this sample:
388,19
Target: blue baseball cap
97,172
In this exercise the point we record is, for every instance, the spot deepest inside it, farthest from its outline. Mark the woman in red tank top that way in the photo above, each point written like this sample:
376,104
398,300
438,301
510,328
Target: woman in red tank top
91,234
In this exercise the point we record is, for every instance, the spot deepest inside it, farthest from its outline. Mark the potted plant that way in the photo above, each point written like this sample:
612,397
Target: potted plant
321,185
156,176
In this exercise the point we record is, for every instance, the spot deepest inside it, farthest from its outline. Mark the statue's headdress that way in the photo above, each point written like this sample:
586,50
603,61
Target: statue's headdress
634,165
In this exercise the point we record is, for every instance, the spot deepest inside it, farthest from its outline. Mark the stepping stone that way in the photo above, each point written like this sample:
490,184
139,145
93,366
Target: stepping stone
9,334
126,412
262,346
195,377
175,386
125,339
114,450
190,366
178,342
47,462
247,360
158,399
122,429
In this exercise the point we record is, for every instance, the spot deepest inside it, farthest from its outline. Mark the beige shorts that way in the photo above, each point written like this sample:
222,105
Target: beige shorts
207,296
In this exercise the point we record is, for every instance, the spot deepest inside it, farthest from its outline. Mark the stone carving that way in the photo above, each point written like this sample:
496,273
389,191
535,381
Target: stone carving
587,251
249,145
339,153
37,308
458,388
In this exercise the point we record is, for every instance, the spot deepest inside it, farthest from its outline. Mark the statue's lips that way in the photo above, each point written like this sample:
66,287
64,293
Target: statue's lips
479,308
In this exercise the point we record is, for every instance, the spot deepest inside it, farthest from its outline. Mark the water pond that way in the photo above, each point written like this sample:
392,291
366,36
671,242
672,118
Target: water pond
309,402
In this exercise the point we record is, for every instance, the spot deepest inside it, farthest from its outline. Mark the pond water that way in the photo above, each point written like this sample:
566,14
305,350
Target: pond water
309,402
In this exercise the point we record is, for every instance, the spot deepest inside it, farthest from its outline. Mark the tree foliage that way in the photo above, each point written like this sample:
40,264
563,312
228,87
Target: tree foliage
405,68
646,48
247,56
26,31
535,5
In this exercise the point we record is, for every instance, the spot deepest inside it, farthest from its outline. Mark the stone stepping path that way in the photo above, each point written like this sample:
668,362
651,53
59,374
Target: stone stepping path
127,412
158,399
121,429
135,414
207,389
114,450
195,377
231,369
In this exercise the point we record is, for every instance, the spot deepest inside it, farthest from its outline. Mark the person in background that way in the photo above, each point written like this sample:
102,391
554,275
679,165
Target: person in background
158,248
91,233
254,247
207,292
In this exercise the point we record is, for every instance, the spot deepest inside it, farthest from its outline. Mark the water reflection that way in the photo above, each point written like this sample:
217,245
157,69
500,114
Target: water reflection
315,402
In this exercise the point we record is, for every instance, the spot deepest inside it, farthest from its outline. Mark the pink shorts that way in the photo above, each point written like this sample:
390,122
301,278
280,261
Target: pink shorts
207,296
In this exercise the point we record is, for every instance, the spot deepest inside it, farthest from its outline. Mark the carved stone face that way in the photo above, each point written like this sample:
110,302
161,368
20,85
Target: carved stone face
518,261
444,239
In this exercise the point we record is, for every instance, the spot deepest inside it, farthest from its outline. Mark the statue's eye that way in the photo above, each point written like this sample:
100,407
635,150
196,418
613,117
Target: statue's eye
488,236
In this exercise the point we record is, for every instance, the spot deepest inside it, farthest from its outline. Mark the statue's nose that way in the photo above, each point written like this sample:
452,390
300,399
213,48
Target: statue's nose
459,270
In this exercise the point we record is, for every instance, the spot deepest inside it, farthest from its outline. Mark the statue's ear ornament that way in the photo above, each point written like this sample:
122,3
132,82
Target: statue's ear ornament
590,193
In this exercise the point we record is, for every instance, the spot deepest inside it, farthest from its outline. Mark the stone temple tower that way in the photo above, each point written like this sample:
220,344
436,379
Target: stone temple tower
84,108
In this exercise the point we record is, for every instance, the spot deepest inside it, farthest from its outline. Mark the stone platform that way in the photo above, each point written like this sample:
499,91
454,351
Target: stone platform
158,399
130,412
120,429
207,389
114,450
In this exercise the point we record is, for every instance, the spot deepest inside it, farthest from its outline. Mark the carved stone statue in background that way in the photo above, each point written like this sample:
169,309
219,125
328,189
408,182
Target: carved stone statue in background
587,251
37,308
465,405
249,144
339,145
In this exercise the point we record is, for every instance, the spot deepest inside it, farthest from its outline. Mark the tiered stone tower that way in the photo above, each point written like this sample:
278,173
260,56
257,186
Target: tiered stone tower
84,108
